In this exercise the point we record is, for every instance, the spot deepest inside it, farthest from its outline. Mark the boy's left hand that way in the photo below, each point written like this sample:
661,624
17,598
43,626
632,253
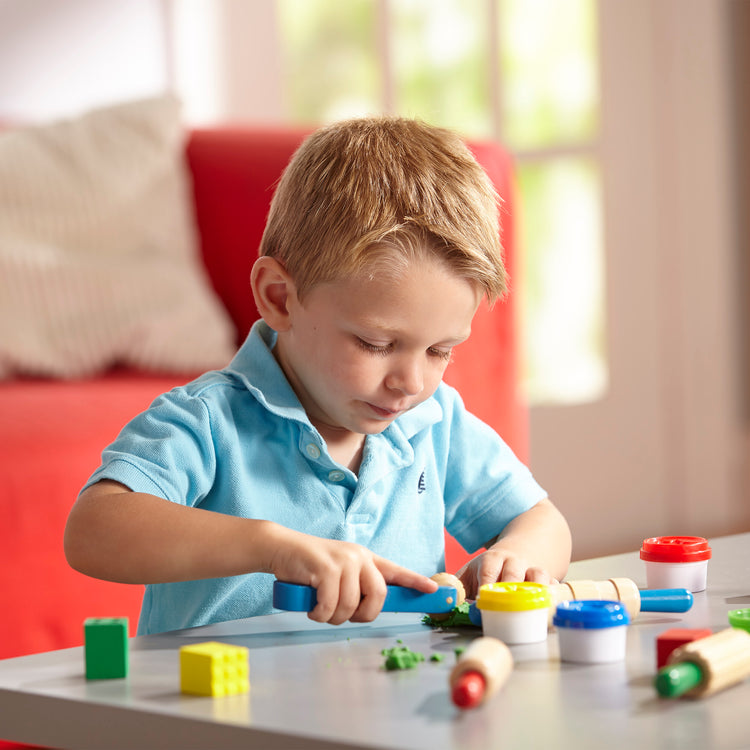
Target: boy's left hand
534,546
498,564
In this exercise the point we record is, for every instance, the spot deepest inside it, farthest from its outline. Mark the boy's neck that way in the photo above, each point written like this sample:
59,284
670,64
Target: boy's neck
345,447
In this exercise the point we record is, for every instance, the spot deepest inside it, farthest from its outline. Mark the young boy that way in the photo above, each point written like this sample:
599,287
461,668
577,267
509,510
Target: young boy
329,452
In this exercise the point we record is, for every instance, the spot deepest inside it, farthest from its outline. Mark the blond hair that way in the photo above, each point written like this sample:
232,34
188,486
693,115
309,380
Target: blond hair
364,189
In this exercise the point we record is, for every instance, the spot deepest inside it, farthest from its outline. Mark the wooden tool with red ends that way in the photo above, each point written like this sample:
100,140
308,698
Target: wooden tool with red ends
480,672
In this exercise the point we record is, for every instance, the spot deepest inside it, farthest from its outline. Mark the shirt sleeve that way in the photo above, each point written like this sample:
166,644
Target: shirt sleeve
485,485
167,450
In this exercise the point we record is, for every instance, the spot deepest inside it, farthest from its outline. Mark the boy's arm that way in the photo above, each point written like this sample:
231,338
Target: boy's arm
133,537
534,546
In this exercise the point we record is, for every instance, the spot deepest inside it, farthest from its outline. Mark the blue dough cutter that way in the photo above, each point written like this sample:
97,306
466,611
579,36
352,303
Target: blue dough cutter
295,597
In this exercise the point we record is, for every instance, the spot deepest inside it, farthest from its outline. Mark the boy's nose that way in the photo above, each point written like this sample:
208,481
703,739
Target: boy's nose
407,377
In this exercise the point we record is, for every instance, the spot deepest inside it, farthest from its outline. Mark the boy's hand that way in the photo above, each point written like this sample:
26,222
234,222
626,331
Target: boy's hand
498,564
534,543
350,580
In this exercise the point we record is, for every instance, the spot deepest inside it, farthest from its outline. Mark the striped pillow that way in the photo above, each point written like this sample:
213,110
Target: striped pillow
98,254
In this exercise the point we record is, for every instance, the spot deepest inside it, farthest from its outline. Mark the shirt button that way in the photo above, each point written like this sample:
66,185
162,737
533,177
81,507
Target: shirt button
336,475
312,450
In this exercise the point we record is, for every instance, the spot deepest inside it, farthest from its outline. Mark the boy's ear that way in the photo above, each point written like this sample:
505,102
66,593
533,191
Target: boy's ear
272,288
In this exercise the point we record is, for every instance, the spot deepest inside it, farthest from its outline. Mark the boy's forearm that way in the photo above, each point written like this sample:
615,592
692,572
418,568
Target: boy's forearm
131,537
541,536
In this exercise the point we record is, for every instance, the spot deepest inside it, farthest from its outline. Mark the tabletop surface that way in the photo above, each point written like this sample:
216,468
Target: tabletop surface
321,686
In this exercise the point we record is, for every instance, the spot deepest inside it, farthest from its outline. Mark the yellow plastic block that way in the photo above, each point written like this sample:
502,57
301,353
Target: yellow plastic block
214,669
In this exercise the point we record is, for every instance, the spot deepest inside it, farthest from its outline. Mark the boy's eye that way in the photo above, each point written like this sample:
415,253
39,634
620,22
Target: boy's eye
374,348
440,353
444,354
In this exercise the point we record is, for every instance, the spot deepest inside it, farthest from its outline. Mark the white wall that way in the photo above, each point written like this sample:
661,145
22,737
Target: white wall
61,57
663,453
226,60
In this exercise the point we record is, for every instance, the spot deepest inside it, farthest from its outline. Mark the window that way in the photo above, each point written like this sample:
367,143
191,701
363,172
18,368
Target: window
522,71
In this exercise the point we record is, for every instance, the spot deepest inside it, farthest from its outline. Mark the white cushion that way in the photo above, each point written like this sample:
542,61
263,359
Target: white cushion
99,261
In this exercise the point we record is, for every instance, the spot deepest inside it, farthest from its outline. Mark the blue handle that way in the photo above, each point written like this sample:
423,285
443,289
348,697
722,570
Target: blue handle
295,597
666,600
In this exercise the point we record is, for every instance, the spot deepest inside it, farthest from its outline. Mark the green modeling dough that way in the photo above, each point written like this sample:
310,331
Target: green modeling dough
401,657
458,617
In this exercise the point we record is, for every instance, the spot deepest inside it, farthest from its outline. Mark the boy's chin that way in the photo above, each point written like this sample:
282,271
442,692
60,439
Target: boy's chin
372,427
376,430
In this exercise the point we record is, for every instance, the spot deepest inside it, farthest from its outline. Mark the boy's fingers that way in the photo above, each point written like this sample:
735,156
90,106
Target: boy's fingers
399,576
373,590
359,597
538,575
489,572
469,578
328,598
513,570
349,598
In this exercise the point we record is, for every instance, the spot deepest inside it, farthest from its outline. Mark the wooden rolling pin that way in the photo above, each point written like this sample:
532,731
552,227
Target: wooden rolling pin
705,666
481,671
622,590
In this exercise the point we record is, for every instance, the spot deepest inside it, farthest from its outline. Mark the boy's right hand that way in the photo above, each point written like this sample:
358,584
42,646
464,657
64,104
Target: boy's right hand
350,579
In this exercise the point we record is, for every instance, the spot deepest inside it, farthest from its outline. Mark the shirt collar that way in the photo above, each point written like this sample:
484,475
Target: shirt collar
256,367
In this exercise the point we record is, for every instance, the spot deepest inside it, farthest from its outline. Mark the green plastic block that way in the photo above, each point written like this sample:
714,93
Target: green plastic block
106,647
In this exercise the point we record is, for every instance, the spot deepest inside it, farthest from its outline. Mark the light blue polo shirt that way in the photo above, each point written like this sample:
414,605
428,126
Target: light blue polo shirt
238,441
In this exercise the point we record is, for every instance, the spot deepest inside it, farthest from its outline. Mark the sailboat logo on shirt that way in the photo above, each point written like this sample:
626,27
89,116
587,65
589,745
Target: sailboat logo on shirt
421,485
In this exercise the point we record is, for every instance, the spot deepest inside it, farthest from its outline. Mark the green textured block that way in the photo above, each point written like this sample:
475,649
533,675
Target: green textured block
106,647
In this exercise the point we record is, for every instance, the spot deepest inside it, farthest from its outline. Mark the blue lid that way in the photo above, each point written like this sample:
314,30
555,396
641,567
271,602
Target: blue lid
590,614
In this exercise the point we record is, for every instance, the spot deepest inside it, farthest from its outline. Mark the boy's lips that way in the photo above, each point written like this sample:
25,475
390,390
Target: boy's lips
383,412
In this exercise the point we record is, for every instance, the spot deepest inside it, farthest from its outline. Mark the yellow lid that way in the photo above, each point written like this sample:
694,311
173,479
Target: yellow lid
513,596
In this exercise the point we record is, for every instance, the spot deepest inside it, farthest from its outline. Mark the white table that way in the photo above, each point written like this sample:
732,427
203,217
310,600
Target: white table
321,686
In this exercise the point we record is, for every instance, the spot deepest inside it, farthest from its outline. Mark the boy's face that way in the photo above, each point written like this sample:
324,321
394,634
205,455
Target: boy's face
359,351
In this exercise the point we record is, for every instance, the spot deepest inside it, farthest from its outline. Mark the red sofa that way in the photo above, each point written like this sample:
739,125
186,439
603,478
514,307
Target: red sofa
52,432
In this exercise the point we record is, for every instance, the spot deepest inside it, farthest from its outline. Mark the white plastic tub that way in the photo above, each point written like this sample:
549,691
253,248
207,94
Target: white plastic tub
515,612
591,631
676,562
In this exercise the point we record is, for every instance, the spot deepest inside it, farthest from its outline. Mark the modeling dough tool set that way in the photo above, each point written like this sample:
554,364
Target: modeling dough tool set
590,617
296,597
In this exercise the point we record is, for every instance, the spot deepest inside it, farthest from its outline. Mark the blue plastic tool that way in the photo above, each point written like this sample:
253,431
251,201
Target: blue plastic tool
665,600
652,600
295,597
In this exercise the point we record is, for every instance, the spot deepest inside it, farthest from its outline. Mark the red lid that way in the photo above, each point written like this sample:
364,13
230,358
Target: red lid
675,549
